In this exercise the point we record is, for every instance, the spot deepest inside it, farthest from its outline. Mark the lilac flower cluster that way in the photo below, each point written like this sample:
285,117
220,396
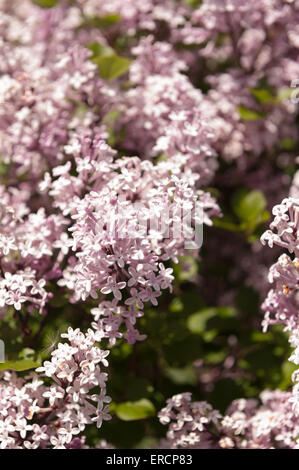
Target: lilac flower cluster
35,415
97,173
247,424
112,256
282,302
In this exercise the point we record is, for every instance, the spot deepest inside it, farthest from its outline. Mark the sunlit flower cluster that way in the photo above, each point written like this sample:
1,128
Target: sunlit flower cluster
120,124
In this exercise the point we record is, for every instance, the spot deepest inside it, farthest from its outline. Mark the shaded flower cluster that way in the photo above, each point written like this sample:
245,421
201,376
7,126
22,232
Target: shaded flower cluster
36,415
282,302
247,424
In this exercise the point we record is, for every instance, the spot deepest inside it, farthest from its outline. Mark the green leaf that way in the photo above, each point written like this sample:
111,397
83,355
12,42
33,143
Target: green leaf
262,95
131,411
26,353
186,268
215,357
99,50
111,117
249,114
226,223
4,168
287,369
147,443
198,322
176,305
284,94
112,66
181,376
288,144
104,22
46,3
109,120
248,206
192,3
24,364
